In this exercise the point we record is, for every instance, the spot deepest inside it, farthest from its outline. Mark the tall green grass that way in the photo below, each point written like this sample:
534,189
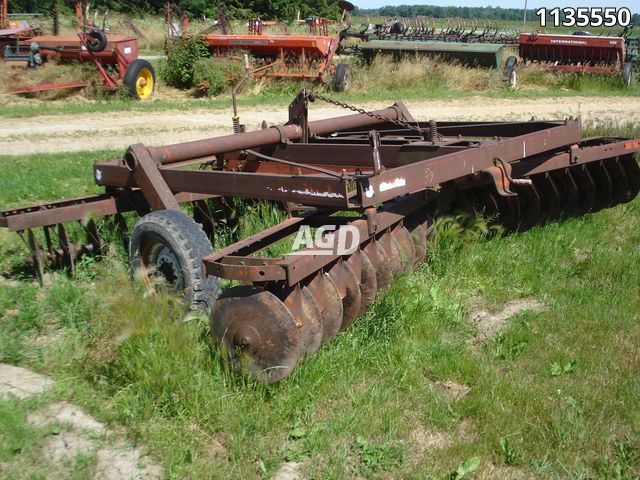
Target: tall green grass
145,364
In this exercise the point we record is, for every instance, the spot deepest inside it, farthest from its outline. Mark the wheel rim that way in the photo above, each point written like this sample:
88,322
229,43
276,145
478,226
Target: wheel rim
346,83
144,84
162,263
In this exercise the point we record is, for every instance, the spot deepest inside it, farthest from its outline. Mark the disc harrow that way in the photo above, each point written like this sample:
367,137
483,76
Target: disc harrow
369,185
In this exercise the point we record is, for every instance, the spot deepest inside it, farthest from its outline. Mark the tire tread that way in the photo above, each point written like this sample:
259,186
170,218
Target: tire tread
194,244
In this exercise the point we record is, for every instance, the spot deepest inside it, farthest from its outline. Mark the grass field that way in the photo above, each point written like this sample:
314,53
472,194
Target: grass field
410,80
420,386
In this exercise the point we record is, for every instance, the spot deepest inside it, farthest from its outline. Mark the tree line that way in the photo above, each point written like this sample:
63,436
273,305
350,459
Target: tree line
274,9
487,13
266,9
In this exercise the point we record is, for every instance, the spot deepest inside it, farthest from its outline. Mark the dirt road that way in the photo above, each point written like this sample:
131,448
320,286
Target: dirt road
85,132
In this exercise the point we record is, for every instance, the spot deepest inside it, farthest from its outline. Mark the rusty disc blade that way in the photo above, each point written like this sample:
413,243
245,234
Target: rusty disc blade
407,248
418,226
586,188
368,282
632,170
602,180
508,212
256,332
619,181
311,332
528,205
345,280
488,201
376,254
566,184
328,298
344,5
392,254
306,315
550,205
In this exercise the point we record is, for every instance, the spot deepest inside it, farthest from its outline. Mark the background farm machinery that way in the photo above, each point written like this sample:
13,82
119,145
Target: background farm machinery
311,56
580,53
114,56
420,28
469,43
290,56
382,174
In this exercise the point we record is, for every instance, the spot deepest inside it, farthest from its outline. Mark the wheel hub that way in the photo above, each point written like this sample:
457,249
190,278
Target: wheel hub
165,265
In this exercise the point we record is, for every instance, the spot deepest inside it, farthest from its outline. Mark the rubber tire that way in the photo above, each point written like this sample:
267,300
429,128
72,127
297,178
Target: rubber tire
189,244
131,75
627,73
509,74
101,40
398,28
342,77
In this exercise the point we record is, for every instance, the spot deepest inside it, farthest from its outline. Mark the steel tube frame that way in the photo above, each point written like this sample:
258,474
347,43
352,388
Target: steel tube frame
410,163
235,261
271,136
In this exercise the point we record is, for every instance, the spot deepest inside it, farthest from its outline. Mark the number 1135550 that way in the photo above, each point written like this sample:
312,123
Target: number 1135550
584,17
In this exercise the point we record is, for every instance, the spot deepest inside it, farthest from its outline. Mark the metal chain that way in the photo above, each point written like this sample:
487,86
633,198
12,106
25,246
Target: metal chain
398,123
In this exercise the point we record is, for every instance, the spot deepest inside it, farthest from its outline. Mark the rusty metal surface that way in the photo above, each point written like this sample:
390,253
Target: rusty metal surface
347,284
429,173
149,179
270,136
326,294
76,209
257,332
300,266
306,313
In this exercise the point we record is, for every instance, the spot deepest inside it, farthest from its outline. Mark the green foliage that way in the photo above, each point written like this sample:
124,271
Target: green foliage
373,458
21,316
213,76
15,434
508,348
272,9
465,468
557,369
508,451
618,465
454,232
178,69
486,13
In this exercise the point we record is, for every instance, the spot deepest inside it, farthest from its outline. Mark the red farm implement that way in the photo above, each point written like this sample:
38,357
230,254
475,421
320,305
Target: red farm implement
288,56
115,57
391,173
578,54
12,32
